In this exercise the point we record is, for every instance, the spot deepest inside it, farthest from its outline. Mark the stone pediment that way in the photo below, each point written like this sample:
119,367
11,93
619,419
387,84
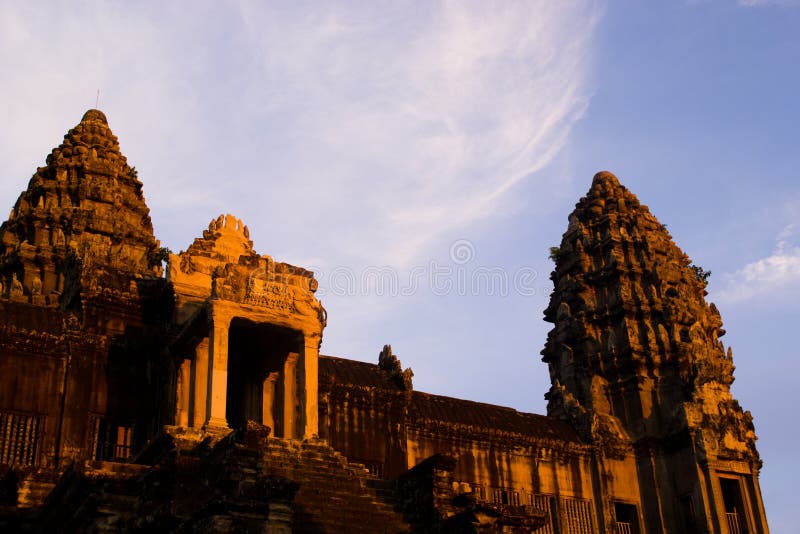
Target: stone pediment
269,286
224,242
223,266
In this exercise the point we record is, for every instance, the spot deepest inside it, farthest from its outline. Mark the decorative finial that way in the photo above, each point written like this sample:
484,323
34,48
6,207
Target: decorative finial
95,115
605,178
389,363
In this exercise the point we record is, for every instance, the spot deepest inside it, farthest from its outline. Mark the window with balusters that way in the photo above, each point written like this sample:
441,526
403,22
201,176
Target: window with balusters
547,505
626,518
577,516
20,438
111,440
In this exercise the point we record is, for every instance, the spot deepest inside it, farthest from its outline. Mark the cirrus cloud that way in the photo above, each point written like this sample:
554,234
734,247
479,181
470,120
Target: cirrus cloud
344,134
775,275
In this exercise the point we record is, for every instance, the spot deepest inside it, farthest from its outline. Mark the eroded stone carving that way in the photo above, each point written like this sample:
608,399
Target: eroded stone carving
222,264
86,202
388,362
634,342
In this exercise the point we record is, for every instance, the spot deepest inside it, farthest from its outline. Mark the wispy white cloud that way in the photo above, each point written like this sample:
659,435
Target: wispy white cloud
383,125
56,56
349,134
419,117
765,3
777,275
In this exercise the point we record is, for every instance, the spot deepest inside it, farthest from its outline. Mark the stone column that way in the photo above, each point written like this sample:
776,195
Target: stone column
718,502
707,520
290,394
760,516
311,376
183,394
268,401
197,410
216,401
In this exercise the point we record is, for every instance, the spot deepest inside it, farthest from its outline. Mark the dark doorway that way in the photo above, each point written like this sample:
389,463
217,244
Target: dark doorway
627,518
734,505
256,351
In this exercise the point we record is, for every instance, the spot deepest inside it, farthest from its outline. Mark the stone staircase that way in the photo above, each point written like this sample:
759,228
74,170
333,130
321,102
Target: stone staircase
335,495
34,489
103,493
198,482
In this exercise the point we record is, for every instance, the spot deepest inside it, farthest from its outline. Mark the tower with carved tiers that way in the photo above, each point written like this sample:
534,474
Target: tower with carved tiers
637,364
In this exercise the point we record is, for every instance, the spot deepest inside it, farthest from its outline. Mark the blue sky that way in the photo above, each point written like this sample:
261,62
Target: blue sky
424,142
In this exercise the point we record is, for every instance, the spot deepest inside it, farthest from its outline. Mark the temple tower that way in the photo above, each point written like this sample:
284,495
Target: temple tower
83,306
635,358
82,218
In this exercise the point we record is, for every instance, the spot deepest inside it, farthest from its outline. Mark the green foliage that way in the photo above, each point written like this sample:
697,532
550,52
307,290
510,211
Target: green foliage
556,253
701,274
159,255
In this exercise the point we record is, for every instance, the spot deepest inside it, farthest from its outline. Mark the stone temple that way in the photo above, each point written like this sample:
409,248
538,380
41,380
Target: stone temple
195,398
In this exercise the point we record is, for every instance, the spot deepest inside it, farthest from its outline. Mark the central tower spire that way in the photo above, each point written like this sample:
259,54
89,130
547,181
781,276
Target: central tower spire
633,336
82,216
634,354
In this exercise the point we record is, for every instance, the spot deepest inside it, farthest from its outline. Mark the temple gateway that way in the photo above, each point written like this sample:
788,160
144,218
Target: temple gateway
194,398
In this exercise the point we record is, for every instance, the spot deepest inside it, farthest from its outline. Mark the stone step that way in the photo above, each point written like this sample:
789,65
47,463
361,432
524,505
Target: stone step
334,494
33,493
